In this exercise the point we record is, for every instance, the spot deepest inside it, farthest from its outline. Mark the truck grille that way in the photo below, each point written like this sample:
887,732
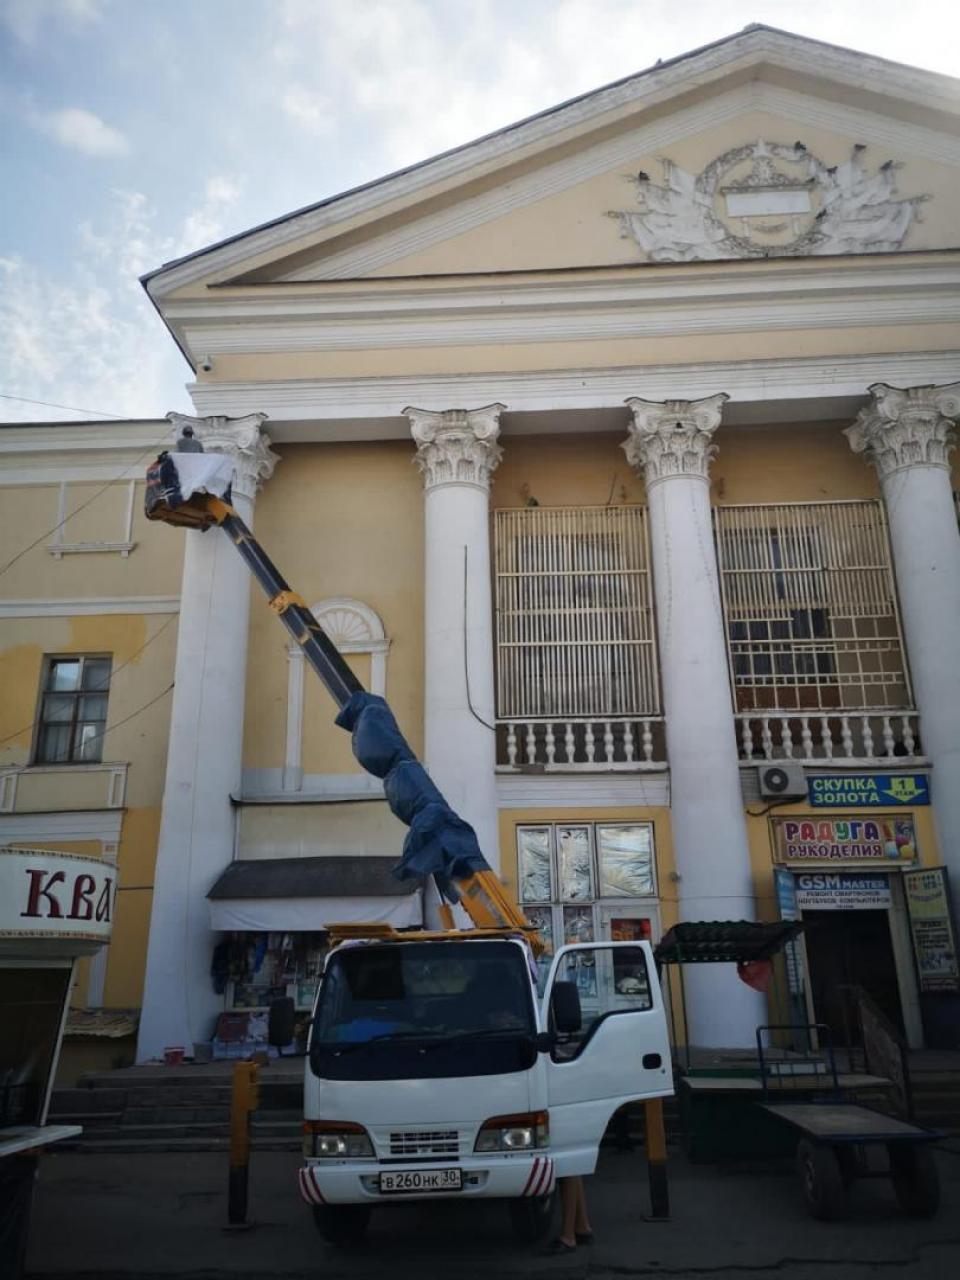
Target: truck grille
424,1142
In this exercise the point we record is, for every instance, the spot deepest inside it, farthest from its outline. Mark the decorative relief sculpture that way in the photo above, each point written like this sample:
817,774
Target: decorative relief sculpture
673,437
456,446
766,200
907,427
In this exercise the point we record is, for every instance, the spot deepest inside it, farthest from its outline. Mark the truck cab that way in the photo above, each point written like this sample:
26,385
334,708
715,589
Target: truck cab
436,1069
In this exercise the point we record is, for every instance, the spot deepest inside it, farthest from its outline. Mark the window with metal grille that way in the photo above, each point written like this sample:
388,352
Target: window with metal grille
574,620
73,710
810,607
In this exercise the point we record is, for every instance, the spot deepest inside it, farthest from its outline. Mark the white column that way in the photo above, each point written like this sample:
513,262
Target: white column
908,436
673,443
457,452
204,754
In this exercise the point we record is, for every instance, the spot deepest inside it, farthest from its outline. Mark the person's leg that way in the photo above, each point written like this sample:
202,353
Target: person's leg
571,1189
581,1222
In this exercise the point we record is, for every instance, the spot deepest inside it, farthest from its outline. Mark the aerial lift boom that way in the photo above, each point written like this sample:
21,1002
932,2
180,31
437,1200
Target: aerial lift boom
481,894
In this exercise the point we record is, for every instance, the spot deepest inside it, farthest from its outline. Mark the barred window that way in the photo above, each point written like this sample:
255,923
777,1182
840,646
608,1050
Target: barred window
73,710
575,633
810,607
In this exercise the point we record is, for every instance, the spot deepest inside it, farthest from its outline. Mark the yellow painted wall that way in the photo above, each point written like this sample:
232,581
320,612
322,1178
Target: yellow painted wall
338,520
319,831
30,512
143,650
787,462
565,470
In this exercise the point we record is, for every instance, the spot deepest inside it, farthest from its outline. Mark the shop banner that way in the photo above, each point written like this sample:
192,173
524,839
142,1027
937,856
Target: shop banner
789,910
931,923
884,838
842,890
55,895
867,790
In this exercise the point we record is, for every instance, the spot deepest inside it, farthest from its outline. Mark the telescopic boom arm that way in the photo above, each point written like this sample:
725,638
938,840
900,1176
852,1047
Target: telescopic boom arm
481,894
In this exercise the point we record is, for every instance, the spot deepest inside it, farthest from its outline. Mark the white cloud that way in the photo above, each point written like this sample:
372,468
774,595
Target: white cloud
310,110
82,131
25,17
91,338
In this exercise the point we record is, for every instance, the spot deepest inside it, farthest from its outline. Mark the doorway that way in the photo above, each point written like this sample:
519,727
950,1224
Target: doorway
850,948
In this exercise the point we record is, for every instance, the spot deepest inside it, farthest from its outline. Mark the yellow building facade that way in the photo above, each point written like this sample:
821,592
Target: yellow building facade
614,449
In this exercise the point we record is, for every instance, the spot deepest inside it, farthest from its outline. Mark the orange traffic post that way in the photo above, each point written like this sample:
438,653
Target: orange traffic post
244,1100
656,1144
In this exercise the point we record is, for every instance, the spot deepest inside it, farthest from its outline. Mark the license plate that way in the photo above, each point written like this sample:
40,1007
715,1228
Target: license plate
412,1181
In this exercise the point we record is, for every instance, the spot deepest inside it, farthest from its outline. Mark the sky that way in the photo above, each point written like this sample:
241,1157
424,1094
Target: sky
135,131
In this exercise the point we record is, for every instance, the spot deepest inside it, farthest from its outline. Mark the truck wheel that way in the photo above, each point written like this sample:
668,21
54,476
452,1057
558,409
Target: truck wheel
822,1181
915,1179
531,1218
342,1224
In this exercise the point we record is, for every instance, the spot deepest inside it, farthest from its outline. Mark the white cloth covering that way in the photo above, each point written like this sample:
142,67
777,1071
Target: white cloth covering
310,915
203,473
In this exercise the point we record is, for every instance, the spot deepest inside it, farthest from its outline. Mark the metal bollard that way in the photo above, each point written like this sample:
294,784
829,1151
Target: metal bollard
244,1100
656,1144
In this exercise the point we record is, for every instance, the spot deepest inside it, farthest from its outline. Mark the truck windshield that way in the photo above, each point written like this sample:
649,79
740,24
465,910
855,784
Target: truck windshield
424,1009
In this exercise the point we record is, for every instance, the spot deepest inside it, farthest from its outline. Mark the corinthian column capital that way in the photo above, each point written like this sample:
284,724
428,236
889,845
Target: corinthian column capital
241,439
906,427
456,446
673,437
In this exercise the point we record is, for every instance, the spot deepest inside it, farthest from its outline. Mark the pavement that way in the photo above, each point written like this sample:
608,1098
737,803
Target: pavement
115,1217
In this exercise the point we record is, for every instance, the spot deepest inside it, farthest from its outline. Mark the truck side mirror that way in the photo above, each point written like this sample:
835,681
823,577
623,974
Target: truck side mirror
565,1008
280,1026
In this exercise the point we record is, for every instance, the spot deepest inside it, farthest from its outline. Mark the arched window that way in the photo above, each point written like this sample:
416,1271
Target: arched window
354,628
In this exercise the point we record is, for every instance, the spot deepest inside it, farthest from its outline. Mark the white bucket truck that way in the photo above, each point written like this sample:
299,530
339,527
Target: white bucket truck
435,1070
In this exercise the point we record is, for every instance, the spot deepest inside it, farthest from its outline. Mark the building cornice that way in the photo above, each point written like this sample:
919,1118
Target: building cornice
328,409
757,298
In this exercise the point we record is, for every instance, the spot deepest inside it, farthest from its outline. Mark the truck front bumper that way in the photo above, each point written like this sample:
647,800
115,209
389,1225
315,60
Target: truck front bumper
506,1177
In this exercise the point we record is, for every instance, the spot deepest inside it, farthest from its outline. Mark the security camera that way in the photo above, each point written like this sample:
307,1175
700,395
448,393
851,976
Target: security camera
206,364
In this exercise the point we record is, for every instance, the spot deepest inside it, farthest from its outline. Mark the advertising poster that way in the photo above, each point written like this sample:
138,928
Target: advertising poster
789,910
934,940
883,838
867,790
843,890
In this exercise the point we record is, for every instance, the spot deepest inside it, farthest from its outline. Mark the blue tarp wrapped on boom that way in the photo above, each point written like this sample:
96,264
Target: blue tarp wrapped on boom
438,842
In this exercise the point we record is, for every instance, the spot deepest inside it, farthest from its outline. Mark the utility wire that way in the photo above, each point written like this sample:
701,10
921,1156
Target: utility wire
71,408
115,672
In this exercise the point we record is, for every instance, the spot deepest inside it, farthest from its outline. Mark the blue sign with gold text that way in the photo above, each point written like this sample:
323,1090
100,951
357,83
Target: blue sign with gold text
867,790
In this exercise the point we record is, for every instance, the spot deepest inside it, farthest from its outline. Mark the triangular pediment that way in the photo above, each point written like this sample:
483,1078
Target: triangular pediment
764,144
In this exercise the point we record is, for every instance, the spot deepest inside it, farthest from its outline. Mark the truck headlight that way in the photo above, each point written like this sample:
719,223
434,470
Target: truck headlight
336,1140
528,1131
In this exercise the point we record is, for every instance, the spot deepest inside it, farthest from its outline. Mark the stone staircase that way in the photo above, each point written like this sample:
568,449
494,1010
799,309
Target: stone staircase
144,1109
178,1109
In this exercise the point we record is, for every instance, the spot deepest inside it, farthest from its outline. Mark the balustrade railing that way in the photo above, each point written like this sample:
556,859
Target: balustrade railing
838,736
623,743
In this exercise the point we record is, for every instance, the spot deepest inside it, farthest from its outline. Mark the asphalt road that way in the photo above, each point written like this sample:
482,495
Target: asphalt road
111,1217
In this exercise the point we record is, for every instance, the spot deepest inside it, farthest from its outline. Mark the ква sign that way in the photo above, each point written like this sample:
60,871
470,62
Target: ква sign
866,790
46,895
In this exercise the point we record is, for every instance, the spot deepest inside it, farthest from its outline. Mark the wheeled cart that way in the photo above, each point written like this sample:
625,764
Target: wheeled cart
832,1153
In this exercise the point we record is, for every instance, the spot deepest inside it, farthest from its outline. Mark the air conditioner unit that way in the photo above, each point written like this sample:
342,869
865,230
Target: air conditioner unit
783,781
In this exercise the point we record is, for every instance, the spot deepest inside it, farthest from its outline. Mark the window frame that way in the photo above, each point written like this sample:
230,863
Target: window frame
556,906
41,723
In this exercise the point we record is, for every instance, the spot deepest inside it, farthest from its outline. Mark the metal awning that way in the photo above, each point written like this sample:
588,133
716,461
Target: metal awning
309,894
719,941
